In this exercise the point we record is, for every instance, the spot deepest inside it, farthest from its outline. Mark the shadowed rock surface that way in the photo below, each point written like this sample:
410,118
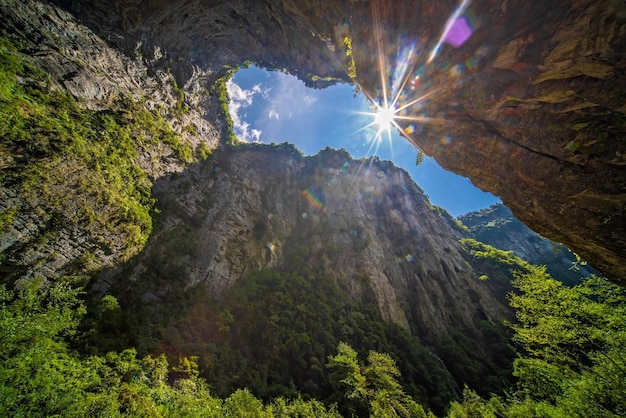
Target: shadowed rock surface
366,224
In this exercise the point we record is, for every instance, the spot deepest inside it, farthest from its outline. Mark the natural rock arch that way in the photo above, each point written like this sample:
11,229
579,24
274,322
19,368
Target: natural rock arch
532,107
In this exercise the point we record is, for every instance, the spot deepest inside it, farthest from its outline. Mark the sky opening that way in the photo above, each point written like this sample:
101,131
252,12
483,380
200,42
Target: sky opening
274,107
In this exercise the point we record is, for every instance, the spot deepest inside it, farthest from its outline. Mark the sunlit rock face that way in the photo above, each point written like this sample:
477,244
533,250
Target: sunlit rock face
527,99
531,108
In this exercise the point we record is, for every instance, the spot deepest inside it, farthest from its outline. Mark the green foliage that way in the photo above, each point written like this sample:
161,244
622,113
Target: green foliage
40,375
181,108
348,380
285,325
494,255
461,225
419,159
81,164
482,361
6,219
204,151
473,406
271,332
351,65
220,90
372,389
494,266
571,351
573,341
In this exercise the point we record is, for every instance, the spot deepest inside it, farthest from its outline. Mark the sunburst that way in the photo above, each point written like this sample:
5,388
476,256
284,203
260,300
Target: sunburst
389,107
384,117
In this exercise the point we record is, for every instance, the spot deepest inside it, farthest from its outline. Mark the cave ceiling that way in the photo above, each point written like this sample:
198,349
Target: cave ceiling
525,98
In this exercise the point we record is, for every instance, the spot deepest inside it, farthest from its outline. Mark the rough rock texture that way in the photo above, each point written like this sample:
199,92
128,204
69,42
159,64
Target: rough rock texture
44,238
531,107
367,224
498,227
85,66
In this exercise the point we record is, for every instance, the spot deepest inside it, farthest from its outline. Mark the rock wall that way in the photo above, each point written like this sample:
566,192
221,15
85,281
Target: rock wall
365,223
42,230
530,107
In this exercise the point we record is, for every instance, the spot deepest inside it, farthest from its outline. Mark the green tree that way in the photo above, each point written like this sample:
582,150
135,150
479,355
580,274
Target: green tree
40,375
372,389
385,394
573,341
348,380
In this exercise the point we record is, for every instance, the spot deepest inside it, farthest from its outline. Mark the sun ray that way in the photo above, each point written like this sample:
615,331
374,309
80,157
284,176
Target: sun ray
410,64
379,50
416,101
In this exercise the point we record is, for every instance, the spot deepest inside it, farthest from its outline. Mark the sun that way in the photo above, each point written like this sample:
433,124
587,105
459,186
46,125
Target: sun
384,117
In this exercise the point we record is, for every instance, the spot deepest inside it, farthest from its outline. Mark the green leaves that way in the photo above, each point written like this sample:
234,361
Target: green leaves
571,344
346,373
372,389
573,340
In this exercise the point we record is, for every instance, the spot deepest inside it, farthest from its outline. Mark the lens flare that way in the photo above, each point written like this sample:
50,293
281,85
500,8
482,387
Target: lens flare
314,198
453,25
413,79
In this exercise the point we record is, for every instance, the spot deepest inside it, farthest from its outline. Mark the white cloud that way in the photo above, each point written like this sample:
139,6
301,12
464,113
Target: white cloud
309,100
272,114
240,99
288,98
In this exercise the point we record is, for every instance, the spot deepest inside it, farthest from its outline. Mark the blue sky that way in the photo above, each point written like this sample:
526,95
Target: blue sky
276,107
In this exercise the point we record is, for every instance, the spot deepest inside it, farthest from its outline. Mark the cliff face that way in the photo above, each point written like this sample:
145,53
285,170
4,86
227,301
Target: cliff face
530,107
364,223
85,131
498,227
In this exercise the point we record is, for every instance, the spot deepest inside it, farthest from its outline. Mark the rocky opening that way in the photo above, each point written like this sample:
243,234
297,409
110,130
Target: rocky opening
536,94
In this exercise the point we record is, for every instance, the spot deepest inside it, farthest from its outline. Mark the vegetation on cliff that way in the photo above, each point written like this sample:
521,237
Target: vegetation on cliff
496,226
272,333
76,166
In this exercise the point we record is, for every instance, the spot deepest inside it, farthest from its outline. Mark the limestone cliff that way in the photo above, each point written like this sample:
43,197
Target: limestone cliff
530,106
85,131
365,223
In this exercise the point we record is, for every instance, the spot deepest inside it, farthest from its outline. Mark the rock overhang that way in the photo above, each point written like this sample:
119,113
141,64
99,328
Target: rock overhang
531,106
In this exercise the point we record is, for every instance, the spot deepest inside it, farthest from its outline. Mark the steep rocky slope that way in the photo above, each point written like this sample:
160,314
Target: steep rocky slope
498,227
530,106
362,222
85,132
